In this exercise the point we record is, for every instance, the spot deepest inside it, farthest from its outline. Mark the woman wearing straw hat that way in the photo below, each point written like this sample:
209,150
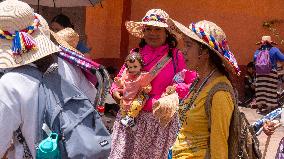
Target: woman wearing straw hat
23,48
62,21
209,54
149,139
69,39
266,83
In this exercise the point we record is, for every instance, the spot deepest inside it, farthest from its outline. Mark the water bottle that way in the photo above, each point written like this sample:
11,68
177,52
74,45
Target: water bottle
48,148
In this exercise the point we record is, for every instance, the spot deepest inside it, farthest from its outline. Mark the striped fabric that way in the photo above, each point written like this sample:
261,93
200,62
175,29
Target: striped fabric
266,90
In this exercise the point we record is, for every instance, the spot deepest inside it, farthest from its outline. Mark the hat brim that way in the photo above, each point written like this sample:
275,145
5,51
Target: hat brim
261,42
44,45
136,28
179,30
60,41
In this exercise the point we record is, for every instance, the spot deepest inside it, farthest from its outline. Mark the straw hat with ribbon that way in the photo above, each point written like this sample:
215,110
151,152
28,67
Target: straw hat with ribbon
67,40
154,17
22,39
266,39
211,35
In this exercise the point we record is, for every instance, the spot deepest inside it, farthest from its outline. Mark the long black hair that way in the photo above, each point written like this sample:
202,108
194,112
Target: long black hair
63,20
215,60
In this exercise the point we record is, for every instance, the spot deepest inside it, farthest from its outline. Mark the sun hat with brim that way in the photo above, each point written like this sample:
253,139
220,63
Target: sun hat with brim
211,35
266,39
22,40
67,38
154,17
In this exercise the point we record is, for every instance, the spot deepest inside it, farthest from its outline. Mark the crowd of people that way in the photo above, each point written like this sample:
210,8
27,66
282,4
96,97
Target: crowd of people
168,102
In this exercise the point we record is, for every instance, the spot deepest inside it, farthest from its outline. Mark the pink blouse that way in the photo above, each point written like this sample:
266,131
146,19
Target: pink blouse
164,78
132,85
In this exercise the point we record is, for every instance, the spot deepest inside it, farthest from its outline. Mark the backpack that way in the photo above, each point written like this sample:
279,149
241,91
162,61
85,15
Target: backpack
262,63
70,114
242,141
280,150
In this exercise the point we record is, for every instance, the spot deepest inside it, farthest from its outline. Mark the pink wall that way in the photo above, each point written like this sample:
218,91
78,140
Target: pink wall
241,20
103,28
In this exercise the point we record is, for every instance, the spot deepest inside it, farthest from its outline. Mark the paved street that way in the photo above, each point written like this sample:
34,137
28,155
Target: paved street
275,138
252,116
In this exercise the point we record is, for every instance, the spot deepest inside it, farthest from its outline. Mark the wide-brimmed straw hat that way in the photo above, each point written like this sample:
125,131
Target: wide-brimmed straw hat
211,35
22,37
154,17
67,38
266,39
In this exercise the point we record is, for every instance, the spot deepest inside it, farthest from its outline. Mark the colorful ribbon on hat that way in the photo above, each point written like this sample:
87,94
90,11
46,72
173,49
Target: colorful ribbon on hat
154,17
222,47
22,40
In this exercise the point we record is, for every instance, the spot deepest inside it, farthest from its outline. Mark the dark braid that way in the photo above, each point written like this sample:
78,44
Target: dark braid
217,61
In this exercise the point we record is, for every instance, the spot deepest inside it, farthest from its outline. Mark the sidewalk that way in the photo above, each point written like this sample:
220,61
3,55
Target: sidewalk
252,116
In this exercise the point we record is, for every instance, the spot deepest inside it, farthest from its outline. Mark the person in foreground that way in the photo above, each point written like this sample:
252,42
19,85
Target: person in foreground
28,52
149,139
208,52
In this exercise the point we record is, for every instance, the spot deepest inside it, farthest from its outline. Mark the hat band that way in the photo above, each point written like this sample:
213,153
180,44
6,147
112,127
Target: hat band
220,47
209,39
22,41
154,17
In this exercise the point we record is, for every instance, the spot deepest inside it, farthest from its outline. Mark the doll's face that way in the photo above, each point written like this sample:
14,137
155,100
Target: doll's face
134,68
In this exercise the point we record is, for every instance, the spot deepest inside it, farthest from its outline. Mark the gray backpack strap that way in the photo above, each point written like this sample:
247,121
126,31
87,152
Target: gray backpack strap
222,86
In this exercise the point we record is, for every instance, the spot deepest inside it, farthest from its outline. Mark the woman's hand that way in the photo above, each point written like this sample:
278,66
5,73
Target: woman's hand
117,96
170,90
118,81
269,127
147,89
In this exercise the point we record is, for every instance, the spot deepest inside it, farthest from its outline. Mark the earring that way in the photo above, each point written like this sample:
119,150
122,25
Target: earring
197,69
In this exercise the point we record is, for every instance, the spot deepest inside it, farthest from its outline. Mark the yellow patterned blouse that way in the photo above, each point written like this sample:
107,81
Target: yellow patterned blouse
192,140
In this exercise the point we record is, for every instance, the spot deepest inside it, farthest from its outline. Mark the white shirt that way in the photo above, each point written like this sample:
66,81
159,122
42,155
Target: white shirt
18,106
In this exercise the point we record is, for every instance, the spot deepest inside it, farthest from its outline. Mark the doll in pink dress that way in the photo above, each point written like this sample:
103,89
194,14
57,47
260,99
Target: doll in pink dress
133,84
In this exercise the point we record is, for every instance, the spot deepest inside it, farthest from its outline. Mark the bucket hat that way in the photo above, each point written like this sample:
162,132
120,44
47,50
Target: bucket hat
154,17
211,35
22,37
67,38
266,39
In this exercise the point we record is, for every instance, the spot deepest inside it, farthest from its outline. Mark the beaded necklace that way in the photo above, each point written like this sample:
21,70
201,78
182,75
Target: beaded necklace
194,96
